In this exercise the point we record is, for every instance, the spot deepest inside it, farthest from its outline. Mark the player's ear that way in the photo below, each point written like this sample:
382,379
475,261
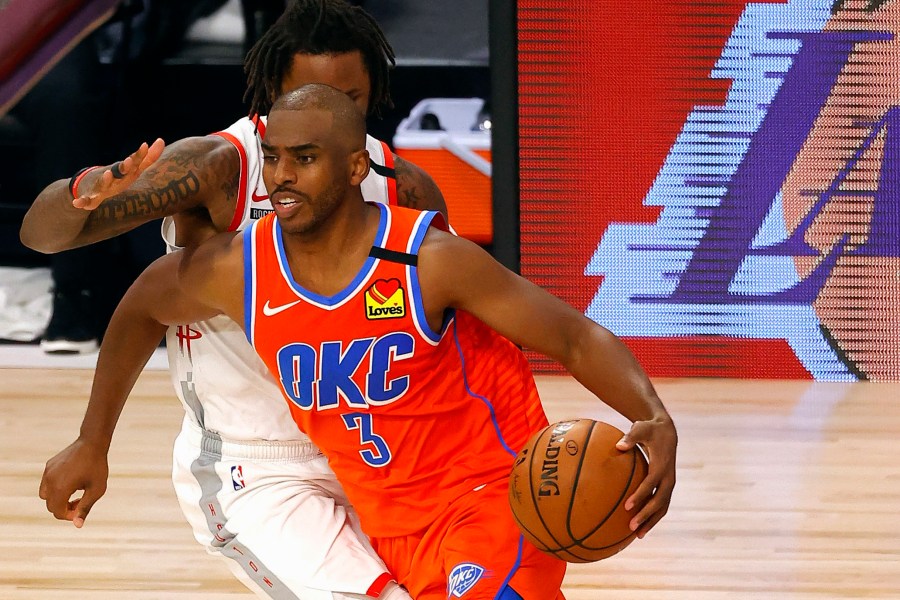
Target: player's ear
359,166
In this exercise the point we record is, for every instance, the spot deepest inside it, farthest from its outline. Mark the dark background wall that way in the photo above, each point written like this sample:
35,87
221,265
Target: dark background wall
441,48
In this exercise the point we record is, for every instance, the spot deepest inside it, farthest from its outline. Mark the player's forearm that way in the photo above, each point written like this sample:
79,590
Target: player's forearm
604,365
52,224
128,344
188,174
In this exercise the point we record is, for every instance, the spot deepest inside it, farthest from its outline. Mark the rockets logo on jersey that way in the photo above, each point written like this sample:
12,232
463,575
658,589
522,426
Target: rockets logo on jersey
356,374
186,334
385,300
778,204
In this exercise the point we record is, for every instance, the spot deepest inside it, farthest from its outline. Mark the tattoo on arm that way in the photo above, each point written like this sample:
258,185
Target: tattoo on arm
157,202
408,194
230,186
416,189
181,180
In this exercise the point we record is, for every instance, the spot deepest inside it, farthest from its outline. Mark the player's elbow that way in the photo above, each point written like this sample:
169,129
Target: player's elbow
34,240
577,344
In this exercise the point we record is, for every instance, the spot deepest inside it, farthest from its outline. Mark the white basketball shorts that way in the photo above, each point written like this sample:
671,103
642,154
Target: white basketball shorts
276,514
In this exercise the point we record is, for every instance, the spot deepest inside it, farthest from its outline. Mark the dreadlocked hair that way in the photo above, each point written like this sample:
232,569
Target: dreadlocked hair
317,27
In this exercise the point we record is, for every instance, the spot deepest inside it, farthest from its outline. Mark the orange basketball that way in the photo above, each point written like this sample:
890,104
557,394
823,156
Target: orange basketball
568,487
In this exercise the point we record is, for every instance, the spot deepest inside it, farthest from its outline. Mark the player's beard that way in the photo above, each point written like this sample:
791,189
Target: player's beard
320,210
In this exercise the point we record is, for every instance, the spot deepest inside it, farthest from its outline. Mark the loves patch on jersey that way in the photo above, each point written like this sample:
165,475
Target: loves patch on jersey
385,300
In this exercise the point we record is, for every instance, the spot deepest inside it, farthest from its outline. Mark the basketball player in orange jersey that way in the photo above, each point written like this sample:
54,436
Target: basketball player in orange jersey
254,489
392,342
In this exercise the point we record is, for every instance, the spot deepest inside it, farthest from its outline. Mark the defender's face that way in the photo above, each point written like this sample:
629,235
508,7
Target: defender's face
306,172
345,72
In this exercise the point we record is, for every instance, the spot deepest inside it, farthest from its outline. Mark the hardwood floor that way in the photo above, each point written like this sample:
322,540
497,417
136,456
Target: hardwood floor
786,490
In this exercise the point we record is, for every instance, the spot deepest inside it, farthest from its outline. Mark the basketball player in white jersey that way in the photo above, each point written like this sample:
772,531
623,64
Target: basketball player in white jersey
254,489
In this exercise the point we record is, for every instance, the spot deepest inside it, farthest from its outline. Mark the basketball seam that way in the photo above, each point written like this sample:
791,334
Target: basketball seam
548,541
534,501
579,542
614,506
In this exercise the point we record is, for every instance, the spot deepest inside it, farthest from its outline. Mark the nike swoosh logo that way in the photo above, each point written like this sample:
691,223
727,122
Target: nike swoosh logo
270,311
256,198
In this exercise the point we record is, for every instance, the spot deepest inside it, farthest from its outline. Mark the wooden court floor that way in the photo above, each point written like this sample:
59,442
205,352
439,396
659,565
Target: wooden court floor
786,490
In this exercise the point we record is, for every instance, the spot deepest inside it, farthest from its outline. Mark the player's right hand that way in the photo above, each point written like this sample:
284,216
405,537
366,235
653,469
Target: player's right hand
118,177
81,466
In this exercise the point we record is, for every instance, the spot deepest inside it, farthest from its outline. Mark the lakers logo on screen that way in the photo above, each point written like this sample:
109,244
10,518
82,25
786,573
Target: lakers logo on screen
385,300
781,208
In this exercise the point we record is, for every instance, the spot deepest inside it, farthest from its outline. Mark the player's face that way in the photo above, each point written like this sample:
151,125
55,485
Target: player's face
345,72
304,168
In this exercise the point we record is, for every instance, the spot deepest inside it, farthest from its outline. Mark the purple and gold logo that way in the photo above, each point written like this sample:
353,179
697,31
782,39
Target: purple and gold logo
781,208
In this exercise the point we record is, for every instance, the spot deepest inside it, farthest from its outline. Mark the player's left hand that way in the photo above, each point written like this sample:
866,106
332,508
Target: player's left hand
118,177
659,439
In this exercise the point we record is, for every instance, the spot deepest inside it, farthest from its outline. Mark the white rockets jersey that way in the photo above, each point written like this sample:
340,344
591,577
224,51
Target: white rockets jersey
222,383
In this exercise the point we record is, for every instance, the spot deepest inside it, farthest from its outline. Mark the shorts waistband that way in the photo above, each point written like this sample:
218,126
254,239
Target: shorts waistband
212,444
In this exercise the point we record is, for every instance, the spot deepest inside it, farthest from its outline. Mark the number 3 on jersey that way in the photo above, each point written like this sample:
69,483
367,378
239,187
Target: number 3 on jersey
378,456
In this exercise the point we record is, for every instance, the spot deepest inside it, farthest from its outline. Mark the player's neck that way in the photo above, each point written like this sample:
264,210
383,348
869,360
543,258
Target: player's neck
326,260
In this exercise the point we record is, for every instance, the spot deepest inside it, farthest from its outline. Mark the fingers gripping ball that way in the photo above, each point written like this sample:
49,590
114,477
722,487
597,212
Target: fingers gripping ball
568,487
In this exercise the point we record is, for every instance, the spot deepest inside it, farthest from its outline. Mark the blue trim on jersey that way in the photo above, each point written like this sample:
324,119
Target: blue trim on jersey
248,282
506,592
487,402
415,292
421,229
345,293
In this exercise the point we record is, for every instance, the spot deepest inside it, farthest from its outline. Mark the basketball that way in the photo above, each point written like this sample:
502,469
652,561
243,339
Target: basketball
568,487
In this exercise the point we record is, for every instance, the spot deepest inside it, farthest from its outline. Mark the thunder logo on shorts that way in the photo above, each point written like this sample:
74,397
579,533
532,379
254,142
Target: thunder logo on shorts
463,578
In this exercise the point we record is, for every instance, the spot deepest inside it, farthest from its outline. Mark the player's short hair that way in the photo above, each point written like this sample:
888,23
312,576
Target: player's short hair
349,123
317,27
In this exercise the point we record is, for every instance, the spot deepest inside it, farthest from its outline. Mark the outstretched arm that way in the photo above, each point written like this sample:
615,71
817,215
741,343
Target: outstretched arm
155,181
457,273
416,189
159,297
130,339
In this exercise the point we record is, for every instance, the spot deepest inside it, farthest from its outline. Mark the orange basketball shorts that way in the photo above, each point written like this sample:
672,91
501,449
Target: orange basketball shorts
473,551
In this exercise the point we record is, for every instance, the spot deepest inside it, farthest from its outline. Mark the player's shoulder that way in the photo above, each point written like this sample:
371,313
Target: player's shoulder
202,165
416,219
252,124
219,256
439,242
244,134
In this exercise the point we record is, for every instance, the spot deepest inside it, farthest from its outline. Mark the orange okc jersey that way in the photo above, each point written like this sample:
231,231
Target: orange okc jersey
410,418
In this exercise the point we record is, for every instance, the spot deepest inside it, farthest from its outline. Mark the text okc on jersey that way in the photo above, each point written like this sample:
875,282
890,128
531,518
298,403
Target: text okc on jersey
463,578
321,378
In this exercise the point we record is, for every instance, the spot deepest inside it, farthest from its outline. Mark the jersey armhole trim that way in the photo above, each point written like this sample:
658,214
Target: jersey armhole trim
249,283
389,179
241,201
424,220
259,124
